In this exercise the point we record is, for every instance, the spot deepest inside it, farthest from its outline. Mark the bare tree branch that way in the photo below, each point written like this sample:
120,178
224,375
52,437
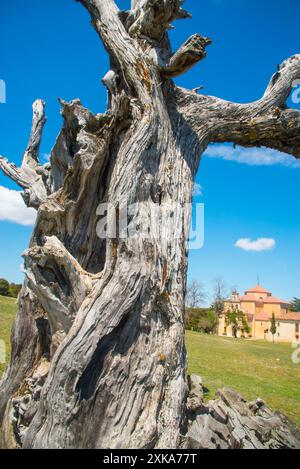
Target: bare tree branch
188,55
31,176
127,59
31,155
279,131
282,81
266,122
219,295
14,173
106,21
152,18
196,294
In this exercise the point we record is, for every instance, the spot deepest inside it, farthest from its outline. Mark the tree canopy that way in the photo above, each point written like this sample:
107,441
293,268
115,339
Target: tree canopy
295,305
9,289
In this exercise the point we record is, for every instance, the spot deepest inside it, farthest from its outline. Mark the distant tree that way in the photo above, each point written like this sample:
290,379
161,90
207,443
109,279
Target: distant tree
273,328
14,290
9,289
201,320
4,287
245,326
295,305
219,296
205,326
195,294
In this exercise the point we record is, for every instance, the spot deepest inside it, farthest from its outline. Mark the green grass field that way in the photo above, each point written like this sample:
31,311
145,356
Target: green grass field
8,308
254,368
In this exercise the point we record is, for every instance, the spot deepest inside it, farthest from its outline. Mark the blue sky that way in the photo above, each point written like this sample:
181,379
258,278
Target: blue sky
49,50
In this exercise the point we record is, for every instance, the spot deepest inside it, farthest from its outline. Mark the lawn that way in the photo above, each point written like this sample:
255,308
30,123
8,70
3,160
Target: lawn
8,308
254,368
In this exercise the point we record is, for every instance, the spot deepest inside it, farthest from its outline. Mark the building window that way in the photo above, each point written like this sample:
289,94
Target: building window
297,328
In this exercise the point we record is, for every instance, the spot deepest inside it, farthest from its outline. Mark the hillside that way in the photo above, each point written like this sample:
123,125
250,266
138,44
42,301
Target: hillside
253,368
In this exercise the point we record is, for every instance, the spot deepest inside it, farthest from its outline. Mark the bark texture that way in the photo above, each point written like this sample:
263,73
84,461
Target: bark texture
98,356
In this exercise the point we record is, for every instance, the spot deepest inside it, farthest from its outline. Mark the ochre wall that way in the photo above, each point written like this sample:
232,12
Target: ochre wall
276,309
249,306
259,329
259,296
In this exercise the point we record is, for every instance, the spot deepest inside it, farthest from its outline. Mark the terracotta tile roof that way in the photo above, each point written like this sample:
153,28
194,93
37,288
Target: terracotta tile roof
270,300
258,289
291,317
250,298
274,300
262,317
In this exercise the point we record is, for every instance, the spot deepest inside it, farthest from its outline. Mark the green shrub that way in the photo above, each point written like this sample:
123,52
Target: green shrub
4,287
201,320
238,321
14,290
9,289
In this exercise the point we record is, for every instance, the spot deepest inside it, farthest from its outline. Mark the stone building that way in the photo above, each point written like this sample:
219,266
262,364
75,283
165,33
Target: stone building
258,306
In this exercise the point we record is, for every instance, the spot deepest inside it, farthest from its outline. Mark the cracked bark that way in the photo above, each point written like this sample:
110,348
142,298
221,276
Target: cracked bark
98,357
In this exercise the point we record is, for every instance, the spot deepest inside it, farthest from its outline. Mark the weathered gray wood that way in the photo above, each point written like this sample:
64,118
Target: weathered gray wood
98,345
266,122
229,422
189,54
31,176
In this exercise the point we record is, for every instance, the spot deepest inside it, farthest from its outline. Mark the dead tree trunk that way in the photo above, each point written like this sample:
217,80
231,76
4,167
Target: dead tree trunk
98,357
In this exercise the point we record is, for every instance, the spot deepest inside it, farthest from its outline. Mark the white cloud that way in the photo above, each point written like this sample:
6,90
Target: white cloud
259,245
13,209
46,157
252,156
198,190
